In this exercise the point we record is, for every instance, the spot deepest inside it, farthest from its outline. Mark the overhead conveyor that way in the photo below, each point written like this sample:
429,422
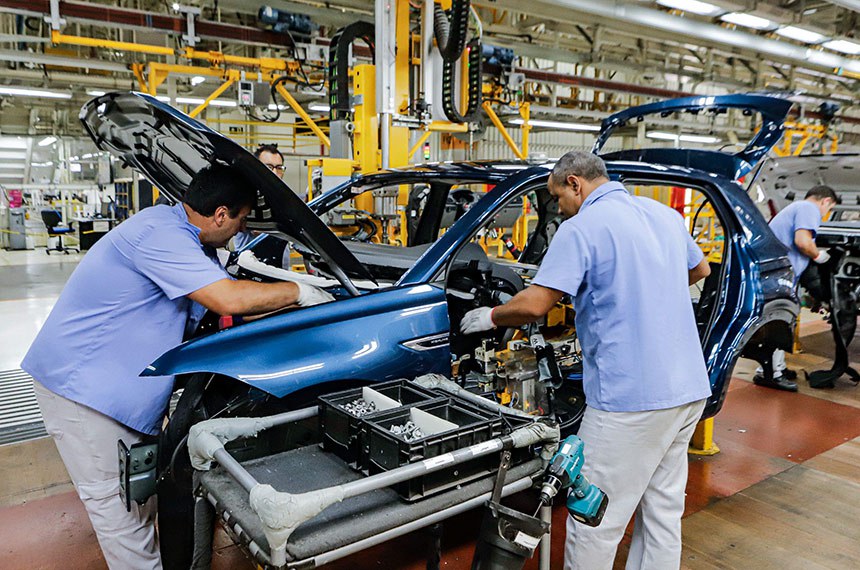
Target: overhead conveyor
307,507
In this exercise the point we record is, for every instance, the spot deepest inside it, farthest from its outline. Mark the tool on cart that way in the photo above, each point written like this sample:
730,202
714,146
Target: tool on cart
586,502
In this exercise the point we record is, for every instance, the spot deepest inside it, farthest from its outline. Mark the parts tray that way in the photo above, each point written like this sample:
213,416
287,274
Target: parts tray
388,451
342,431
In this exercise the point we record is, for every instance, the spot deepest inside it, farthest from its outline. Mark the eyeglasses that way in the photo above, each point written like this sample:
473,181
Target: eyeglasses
275,167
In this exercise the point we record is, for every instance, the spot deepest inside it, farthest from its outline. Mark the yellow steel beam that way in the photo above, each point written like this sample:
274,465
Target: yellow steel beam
303,114
58,38
488,108
137,69
421,140
525,128
446,127
217,58
223,87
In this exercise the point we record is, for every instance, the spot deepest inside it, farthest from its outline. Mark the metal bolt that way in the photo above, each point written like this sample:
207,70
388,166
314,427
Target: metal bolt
359,407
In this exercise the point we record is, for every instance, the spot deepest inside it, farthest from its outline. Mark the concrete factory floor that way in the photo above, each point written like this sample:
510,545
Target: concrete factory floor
782,494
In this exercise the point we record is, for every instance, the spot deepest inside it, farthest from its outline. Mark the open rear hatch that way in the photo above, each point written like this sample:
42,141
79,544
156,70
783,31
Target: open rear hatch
772,111
169,147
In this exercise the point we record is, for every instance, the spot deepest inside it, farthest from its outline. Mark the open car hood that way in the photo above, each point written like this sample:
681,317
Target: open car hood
169,147
773,111
782,181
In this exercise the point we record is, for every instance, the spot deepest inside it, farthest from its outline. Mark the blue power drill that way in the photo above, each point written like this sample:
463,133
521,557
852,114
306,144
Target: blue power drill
586,503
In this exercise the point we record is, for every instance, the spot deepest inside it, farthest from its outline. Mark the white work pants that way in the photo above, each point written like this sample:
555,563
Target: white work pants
640,460
87,442
778,362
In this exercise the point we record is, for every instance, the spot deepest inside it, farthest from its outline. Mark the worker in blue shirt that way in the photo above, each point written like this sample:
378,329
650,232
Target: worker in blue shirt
627,262
795,226
126,303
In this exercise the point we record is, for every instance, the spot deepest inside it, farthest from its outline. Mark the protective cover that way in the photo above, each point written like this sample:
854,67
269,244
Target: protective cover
168,147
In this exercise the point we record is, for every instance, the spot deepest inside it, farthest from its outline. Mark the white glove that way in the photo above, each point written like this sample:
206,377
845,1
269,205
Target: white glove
477,320
823,256
309,295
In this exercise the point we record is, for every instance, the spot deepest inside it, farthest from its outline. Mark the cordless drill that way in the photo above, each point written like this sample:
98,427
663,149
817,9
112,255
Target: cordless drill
586,503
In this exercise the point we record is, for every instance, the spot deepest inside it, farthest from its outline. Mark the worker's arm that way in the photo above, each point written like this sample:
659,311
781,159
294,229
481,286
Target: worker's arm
527,306
806,243
700,271
229,297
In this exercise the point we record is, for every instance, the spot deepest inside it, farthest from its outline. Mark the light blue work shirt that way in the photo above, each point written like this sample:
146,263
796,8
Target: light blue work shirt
124,306
625,261
802,215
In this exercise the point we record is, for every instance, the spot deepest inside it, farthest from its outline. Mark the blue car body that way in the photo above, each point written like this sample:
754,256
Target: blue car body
402,330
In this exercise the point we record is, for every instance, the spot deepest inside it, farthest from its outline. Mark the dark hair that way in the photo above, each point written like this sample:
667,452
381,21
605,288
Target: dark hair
578,163
271,148
219,185
821,192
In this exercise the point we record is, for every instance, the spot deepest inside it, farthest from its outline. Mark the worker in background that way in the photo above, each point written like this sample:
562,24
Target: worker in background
627,262
795,226
125,305
269,155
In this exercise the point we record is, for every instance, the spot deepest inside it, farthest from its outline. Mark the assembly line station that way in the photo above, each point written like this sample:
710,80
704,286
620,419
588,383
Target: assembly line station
335,376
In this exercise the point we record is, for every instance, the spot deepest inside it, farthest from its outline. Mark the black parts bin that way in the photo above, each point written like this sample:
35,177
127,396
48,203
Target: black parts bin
342,431
465,425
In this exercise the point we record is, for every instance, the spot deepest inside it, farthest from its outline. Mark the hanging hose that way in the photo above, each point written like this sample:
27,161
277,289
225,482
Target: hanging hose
338,66
449,91
450,29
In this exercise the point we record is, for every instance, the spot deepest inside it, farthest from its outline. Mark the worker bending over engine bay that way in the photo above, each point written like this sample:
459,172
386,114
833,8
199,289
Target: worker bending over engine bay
627,262
127,303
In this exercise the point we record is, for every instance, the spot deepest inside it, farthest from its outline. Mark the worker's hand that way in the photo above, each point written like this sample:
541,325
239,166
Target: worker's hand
477,320
823,256
310,295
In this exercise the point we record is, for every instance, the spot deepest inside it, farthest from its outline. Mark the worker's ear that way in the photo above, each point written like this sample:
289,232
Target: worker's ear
221,214
573,182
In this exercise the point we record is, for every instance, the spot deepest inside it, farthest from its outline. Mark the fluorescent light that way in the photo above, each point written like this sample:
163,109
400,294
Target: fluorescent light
197,80
37,164
13,155
558,125
692,6
75,167
10,175
48,141
321,107
10,143
163,98
9,166
95,93
685,138
273,107
801,35
843,45
747,20
199,101
26,92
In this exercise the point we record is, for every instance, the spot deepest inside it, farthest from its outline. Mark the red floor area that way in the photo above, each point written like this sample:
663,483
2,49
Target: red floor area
760,432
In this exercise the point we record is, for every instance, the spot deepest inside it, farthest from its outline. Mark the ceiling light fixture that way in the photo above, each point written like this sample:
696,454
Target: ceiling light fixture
320,107
843,46
747,21
10,175
95,92
692,6
10,143
13,155
10,166
48,141
197,80
199,101
558,125
801,35
684,138
27,92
